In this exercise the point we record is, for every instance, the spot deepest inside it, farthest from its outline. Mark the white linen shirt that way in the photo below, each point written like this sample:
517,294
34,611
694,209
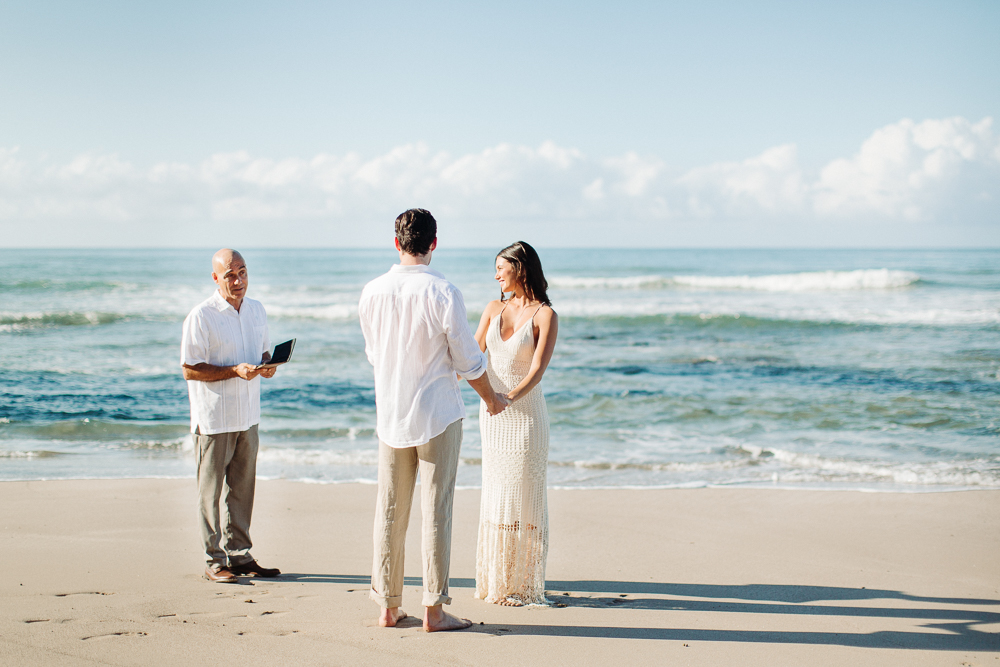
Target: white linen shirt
417,337
214,333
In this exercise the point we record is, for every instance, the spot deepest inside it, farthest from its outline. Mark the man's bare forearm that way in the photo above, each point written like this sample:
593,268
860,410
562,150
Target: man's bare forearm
494,402
483,387
210,373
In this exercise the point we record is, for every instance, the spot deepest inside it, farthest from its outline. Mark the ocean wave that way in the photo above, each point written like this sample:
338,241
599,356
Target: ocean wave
31,454
335,312
317,457
45,285
627,282
88,429
743,464
687,314
702,466
800,467
177,444
17,321
351,433
812,281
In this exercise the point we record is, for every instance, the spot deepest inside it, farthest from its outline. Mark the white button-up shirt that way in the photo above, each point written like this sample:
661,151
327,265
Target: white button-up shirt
417,337
214,333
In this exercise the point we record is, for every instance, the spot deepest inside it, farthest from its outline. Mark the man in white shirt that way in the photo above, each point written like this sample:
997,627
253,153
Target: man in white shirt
224,341
417,337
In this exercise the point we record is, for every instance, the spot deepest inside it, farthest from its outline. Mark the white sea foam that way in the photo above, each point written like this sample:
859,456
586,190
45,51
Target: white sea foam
317,457
177,444
833,307
801,467
702,466
29,454
63,318
813,281
628,282
334,312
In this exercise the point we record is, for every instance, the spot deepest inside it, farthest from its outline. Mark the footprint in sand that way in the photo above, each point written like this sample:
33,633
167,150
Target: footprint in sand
112,635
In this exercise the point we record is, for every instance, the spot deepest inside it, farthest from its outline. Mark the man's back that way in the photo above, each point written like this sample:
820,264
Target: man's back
417,337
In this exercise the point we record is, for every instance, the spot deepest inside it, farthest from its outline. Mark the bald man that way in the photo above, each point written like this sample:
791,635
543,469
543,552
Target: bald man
223,344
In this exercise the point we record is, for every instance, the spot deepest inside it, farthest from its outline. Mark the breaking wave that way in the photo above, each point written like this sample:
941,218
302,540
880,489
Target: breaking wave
15,321
799,467
814,281
861,279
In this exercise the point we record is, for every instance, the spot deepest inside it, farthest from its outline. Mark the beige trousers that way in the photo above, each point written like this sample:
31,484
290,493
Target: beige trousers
227,471
437,462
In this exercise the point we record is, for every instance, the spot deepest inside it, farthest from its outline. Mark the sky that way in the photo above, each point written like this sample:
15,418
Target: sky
766,124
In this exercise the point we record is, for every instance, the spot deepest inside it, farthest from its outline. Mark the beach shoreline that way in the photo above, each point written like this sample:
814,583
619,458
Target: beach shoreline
109,572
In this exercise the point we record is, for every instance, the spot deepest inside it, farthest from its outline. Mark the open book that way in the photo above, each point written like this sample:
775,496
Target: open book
282,354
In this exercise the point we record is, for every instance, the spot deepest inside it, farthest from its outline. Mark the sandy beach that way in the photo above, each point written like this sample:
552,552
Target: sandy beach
109,572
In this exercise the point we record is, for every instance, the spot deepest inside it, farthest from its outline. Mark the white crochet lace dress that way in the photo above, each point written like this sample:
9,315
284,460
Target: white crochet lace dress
513,515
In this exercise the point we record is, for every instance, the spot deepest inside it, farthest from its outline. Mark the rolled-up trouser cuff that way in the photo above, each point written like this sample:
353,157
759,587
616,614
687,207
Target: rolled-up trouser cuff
432,600
386,602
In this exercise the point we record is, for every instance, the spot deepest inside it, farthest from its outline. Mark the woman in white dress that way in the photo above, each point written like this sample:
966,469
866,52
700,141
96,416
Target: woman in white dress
519,333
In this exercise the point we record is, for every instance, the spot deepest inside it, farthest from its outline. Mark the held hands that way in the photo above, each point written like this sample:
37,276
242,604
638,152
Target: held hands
498,404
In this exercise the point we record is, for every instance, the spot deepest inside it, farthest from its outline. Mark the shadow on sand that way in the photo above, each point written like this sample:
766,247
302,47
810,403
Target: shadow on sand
954,630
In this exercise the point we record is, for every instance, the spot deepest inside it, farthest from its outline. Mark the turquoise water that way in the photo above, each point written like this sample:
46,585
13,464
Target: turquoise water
832,369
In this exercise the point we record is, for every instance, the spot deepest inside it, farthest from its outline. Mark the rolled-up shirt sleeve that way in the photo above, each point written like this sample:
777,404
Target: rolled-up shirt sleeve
466,357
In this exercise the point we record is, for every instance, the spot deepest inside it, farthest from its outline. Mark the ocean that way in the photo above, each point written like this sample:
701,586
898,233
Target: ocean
845,369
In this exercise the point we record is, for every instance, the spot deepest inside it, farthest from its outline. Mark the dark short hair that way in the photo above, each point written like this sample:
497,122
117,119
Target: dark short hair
527,271
416,230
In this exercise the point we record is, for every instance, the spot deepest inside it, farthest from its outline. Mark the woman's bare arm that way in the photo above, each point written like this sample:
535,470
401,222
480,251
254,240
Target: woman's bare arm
547,323
492,308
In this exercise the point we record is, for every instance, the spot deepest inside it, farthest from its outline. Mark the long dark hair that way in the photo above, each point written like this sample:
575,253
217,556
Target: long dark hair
527,271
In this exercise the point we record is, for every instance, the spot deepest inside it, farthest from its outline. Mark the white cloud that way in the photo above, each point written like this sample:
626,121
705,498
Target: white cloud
906,171
772,182
910,170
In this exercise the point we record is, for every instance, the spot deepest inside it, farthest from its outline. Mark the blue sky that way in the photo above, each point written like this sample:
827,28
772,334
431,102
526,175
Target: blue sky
533,117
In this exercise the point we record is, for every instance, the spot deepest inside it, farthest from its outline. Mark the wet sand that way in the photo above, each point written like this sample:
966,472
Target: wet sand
110,572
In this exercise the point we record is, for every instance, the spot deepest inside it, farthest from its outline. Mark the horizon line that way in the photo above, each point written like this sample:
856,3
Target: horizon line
539,247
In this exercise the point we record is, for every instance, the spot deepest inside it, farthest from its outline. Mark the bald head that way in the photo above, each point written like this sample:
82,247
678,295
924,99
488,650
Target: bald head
223,258
229,272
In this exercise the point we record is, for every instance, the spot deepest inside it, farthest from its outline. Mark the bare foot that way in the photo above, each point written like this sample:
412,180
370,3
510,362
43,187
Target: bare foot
390,617
437,619
511,602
